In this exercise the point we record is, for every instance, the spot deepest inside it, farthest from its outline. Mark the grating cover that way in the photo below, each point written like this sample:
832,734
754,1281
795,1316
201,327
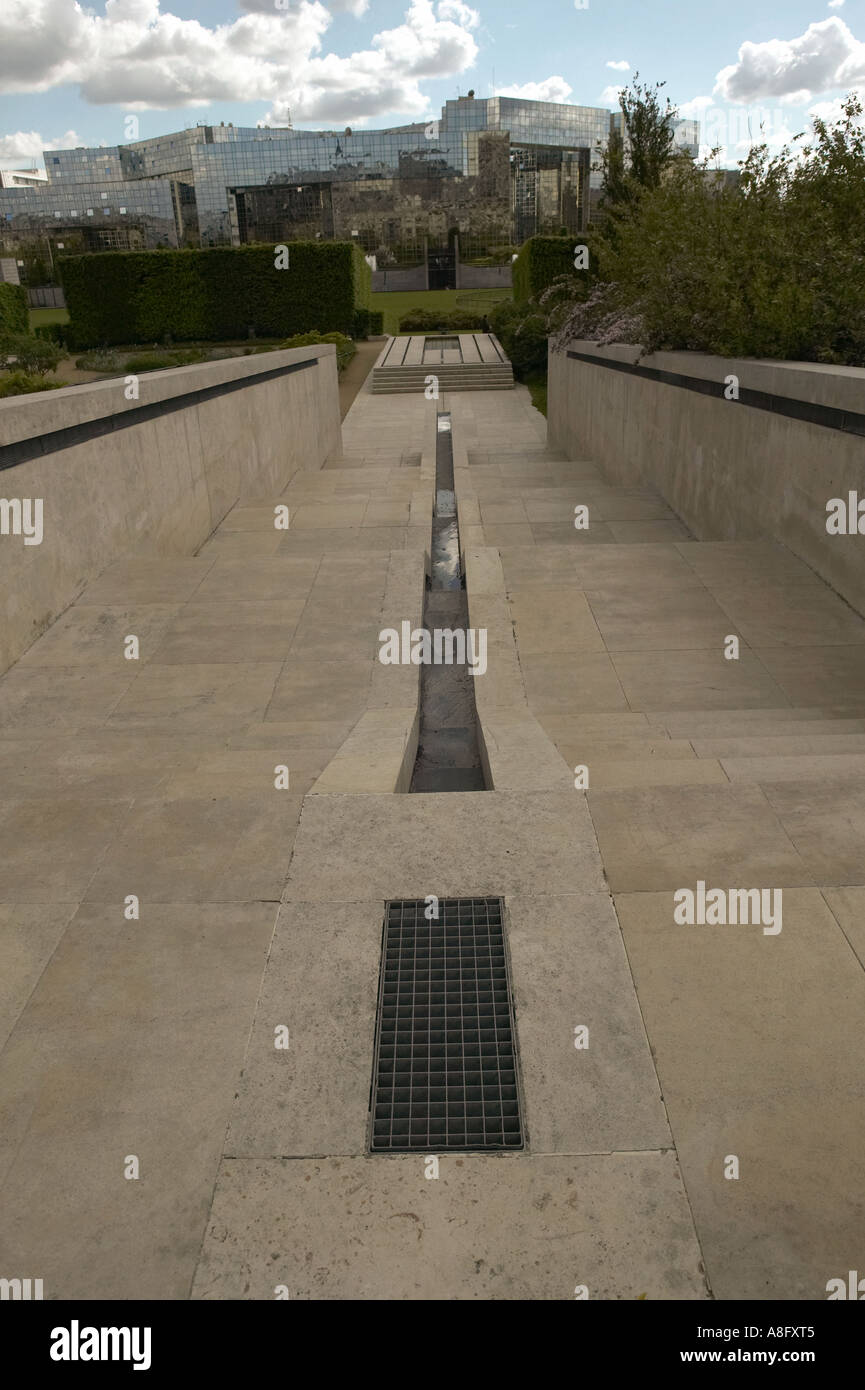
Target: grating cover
445,1074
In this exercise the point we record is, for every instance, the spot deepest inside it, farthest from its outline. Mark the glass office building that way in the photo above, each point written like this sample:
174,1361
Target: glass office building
494,171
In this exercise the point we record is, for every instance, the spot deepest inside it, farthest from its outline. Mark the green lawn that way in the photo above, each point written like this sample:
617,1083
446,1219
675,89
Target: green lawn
40,316
395,303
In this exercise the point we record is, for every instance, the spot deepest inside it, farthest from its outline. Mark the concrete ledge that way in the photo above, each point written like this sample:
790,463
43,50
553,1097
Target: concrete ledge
377,756
379,753
516,753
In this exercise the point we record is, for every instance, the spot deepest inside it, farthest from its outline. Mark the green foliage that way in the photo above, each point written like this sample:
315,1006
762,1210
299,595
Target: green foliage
522,331
215,294
541,260
441,320
376,323
23,383
101,360
14,316
766,265
162,361
649,127
23,353
345,348
51,333
772,268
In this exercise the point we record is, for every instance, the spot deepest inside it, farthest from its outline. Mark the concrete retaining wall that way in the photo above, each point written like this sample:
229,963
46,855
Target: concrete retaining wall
46,297
160,478
483,277
414,278
731,471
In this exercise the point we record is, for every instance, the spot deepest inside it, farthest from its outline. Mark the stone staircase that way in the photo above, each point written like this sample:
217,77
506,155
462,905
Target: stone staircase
456,376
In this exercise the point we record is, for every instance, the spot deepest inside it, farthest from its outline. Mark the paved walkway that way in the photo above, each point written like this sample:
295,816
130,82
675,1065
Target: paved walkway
261,908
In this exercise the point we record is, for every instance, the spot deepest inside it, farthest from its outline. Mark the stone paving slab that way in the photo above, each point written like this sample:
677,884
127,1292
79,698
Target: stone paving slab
488,1228
752,1039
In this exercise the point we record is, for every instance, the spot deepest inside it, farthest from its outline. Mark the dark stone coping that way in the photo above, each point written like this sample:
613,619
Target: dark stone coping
827,416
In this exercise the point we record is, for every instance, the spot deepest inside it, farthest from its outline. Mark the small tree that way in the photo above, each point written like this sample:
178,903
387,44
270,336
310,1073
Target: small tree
649,129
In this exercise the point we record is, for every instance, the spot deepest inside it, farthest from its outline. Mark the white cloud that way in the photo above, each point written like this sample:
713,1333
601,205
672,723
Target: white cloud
694,109
269,7
835,4
619,65
139,56
826,56
610,96
26,146
831,111
550,89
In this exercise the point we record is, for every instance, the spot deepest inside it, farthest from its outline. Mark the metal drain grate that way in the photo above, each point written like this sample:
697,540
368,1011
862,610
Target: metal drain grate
445,1074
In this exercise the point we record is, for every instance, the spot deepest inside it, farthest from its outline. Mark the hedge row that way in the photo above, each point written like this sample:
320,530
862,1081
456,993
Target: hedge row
540,261
441,320
14,309
215,294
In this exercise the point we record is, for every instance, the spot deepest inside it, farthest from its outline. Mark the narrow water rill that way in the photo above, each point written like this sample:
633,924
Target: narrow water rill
448,755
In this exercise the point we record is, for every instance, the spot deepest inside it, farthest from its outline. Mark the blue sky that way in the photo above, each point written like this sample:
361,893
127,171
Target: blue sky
72,73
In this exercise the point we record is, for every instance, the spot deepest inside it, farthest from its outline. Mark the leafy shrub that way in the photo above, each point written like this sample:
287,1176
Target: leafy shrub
101,360
162,361
14,311
441,320
376,323
769,265
522,331
345,348
543,259
220,293
22,383
23,353
52,333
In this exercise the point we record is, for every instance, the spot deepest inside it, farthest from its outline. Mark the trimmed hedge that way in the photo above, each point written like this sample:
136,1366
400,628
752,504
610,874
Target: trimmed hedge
52,333
444,320
14,309
542,259
221,293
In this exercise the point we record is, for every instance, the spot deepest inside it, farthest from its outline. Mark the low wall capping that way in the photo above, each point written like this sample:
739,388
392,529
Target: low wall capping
813,412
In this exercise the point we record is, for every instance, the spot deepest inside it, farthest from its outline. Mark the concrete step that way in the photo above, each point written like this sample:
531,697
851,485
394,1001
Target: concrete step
811,767
708,724
385,390
803,743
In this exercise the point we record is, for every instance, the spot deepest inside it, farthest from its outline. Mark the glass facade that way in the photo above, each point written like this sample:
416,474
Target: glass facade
493,170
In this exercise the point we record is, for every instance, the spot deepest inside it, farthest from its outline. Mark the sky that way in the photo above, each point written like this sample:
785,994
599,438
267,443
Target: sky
74,74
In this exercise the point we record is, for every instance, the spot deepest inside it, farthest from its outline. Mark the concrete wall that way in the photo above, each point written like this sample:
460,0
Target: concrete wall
46,297
483,277
414,278
730,471
160,485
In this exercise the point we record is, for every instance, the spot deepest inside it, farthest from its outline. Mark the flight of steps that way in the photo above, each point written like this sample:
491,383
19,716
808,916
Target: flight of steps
699,747
457,376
